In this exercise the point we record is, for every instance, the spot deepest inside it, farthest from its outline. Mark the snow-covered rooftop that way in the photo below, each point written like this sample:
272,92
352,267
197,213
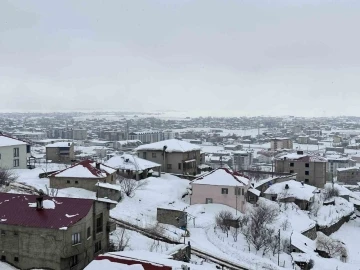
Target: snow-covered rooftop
85,169
130,162
347,169
8,141
300,257
303,157
59,144
296,190
222,177
172,145
109,186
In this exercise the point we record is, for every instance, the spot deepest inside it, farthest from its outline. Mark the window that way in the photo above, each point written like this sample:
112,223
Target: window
242,191
16,163
0,156
74,260
307,165
3,258
153,155
291,171
208,200
179,166
237,191
97,247
16,259
16,234
224,191
292,164
99,223
306,181
2,232
16,152
75,239
144,155
76,182
306,172
169,166
68,181
88,234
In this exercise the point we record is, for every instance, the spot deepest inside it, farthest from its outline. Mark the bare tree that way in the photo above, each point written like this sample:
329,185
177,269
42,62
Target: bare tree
223,219
333,247
129,186
52,192
234,233
331,192
257,231
121,240
7,176
156,229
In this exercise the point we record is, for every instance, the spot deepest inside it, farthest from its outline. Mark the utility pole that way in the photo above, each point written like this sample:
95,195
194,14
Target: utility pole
236,197
279,250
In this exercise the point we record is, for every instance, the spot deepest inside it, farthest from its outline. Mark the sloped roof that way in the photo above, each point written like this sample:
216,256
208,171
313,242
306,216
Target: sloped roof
85,169
8,141
130,162
172,145
15,209
222,177
296,190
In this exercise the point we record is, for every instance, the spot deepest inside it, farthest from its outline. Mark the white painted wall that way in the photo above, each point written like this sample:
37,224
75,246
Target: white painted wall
7,157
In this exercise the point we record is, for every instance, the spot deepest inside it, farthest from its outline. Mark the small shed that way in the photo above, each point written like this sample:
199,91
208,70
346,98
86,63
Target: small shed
110,191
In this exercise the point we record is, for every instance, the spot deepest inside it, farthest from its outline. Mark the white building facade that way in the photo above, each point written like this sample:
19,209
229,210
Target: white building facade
13,153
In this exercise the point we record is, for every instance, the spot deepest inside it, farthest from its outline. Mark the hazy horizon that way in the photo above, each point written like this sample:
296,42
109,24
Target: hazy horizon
218,58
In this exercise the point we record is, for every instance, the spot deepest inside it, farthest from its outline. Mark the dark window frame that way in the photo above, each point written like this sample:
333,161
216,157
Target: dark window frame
224,191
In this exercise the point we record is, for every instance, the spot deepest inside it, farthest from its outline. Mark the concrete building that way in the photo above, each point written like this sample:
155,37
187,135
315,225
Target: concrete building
242,160
79,134
27,135
148,136
13,153
85,174
52,233
127,145
281,143
303,139
220,186
311,170
60,152
337,162
175,156
348,176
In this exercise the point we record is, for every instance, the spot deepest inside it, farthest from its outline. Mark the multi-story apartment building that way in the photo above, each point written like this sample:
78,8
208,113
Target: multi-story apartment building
175,156
349,176
281,143
62,152
13,153
52,233
242,160
337,162
147,136
79,134
310,169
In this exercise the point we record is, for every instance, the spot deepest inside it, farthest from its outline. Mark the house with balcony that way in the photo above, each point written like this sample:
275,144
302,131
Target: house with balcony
85,174
14,153
60,152
221,186
41,232
175,156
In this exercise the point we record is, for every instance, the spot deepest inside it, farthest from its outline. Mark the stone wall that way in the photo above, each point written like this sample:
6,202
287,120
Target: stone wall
311,233
172,217
333,228
111,194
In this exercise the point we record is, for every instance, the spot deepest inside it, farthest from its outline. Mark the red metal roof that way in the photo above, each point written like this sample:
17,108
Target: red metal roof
15,210
88,164
130,261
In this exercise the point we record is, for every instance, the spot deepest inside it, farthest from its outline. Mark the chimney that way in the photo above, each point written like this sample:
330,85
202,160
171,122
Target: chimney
39,202
97,165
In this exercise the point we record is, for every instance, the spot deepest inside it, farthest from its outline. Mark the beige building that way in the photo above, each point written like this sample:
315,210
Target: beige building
85,174
281,143
79,134
175,156
349,176
311,170
222,187
60,152
13,153
52,233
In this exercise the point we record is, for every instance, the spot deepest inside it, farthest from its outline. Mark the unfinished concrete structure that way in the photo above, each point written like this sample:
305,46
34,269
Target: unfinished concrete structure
52,233
60,152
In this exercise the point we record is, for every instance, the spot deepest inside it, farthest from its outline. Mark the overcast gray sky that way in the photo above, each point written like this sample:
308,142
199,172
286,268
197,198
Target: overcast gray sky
244,57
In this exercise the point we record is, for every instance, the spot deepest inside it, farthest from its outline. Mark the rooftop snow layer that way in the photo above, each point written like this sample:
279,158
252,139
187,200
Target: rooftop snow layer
296,190
59,144
130,162
8,141
85,169
221,177
172,145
